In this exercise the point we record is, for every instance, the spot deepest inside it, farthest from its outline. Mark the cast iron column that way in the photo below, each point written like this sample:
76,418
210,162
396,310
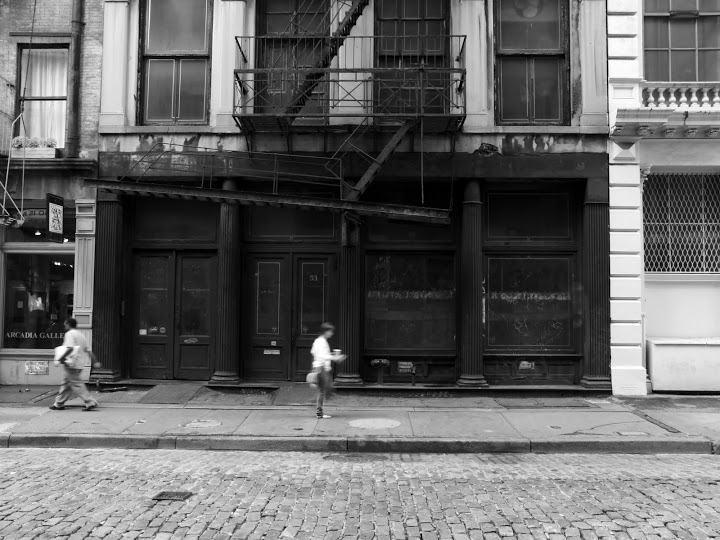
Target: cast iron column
471,289
107,291
350,270
227,357
596,284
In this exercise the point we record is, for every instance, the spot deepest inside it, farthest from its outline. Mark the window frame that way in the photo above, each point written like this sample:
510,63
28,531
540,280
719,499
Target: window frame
563,53
695,15
176,56
19,99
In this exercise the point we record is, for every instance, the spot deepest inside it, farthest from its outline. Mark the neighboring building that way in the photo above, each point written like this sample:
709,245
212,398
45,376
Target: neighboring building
50,50
664,85
431,175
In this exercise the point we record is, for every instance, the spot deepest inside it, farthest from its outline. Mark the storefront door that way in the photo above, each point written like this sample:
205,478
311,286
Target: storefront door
173,321
289,298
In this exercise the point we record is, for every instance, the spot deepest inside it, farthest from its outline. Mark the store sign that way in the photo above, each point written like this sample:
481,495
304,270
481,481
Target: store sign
55,218
405,367
37,367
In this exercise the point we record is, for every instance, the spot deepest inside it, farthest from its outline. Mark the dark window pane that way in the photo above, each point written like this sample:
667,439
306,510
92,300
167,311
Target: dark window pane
45,119
411,9
657,6
313,297
177,25
38,298
268,298
383,230
435,9
195,304
160,84
521,216
548,89
154,301
683,66
529,302
530,25
709,32
278,24
656,32
288,223
682,33
48,72
709,65
514,89
279,6
389,9
192,90
683,5
657,67
410,302
709,5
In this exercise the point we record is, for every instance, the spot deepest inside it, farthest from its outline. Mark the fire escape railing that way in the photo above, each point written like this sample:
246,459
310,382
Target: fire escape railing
390,79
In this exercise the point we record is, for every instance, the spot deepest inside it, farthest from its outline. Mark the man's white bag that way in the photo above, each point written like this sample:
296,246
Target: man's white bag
70,359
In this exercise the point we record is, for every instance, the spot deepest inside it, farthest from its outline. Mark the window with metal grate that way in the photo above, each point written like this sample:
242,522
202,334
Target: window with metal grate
681,215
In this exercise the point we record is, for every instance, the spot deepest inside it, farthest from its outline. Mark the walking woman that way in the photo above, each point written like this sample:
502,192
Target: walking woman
323,358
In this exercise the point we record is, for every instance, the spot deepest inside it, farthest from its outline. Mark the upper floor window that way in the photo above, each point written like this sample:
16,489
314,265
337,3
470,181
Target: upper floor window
531,62
682,40
43,93
176,58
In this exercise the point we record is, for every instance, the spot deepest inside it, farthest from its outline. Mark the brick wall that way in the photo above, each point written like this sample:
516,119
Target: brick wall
54,16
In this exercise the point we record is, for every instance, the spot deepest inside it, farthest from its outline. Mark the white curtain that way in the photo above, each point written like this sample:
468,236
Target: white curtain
47,78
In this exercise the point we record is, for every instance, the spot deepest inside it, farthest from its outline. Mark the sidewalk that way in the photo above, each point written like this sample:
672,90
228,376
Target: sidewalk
193,416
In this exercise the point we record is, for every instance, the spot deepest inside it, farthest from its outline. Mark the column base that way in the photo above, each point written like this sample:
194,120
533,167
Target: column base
104,375
629,381
225,377
349,379
477,381
596,383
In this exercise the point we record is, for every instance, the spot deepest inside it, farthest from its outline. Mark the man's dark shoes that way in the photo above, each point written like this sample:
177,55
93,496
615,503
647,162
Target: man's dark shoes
57,407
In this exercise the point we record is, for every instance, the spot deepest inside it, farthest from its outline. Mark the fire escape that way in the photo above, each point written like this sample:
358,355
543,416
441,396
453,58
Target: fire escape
316,75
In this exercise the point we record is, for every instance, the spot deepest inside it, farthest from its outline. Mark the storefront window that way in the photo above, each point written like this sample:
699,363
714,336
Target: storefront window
410,302
34,229
38,298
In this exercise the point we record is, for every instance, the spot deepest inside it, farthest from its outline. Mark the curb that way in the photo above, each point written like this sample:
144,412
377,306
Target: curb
408,445
668,445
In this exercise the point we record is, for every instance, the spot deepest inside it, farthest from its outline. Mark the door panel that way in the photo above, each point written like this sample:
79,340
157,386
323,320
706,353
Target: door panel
153,335
290,295
194,309
269,333
311,305
174,306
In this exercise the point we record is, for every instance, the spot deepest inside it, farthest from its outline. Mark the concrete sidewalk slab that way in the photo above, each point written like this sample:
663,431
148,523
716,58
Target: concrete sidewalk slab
285,423
24,394
75,420
211,422
551,424
702,423
365,424
462,425
159,421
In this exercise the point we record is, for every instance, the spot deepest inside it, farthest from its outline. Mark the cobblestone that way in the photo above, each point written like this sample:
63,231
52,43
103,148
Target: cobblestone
77,494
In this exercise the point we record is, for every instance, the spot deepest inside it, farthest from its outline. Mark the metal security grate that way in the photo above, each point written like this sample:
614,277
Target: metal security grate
172,496
681,214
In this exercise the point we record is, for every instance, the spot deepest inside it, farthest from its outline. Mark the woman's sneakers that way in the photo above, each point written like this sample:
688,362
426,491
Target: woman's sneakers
90,407
323,416
57,407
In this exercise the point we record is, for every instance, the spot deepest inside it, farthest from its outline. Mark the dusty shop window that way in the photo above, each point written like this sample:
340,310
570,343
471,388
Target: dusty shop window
38,298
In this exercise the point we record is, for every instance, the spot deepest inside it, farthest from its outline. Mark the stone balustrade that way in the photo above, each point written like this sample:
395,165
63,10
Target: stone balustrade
693,95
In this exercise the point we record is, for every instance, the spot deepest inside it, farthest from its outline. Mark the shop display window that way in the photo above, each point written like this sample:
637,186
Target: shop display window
410,302
38,298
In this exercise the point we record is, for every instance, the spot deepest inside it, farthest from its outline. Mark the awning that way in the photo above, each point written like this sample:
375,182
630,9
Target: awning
393,211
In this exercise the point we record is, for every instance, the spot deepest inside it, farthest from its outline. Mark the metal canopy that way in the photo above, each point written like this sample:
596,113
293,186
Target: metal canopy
410,213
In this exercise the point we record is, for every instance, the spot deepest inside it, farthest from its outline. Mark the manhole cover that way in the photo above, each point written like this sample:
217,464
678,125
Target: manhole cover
374,423
172,496
355,457
201,424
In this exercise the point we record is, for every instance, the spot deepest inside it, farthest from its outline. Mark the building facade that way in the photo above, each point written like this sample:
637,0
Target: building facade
664,88
49,102
431,176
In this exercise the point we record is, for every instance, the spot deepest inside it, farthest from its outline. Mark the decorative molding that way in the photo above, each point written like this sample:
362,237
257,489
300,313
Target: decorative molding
669,132
691,132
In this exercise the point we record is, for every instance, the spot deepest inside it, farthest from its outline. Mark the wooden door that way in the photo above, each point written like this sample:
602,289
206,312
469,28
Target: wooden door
311,307
153,321
173,316
194,313
269,336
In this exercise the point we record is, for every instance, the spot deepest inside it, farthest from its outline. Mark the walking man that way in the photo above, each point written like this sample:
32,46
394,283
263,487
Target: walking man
74,359
322,365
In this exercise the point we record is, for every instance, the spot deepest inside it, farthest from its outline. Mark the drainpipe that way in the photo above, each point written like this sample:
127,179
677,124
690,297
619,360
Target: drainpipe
73,104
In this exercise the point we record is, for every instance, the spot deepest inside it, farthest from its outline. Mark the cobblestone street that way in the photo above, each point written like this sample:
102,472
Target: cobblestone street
49,493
